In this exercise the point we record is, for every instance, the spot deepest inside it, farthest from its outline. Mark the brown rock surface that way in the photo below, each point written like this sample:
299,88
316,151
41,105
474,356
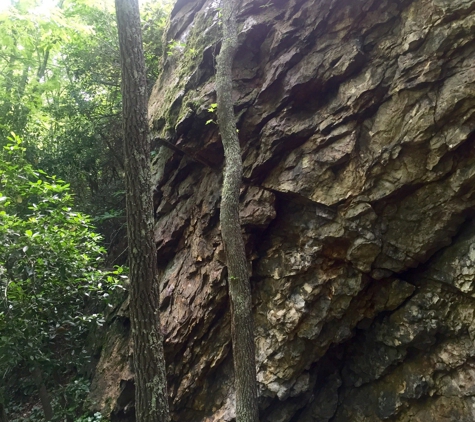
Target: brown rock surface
357,126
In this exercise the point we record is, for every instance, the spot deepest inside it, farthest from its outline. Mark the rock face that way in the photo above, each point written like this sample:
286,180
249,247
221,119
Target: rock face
357,122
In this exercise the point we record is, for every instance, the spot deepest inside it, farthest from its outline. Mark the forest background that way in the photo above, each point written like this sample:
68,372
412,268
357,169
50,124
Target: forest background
62,206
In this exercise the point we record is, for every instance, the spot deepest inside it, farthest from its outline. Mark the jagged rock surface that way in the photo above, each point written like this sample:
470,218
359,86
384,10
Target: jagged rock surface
357,126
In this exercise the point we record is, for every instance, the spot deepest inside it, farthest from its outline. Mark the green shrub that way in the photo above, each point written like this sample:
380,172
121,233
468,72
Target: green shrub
51,284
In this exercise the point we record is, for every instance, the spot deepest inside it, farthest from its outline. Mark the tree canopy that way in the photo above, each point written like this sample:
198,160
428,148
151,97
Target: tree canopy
60,92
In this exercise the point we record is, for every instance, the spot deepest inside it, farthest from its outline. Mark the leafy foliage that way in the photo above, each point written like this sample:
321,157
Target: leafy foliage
60,91
154,18
49,271
68,403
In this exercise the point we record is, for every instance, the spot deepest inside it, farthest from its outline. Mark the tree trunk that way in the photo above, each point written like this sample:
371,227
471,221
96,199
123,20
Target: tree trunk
3,413
43,393
151,399
242,331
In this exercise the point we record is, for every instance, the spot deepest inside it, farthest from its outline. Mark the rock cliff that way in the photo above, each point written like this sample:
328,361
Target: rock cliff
356,119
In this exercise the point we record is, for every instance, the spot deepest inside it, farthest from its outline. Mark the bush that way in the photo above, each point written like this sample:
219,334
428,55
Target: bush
49,273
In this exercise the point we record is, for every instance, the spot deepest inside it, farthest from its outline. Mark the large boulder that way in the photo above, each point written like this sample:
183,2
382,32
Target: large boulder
356,119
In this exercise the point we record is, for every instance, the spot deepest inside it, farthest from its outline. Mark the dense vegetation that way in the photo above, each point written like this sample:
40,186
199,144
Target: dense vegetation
61,156
60,92
52,284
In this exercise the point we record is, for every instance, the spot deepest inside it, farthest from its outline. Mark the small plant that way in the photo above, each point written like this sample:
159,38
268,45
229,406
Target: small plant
94,418
174,45
71,403
212,109
191,53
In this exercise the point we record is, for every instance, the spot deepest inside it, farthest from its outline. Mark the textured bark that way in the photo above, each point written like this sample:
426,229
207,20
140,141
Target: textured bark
3,414
43,393
151,400
242,331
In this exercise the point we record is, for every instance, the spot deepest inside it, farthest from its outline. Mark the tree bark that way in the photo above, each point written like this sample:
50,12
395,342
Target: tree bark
242,331
3,413
151,399
43,393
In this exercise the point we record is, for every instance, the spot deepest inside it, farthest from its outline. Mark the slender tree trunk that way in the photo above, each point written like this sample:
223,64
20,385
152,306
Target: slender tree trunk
43,58
151,399
42,66
43,393
242,330
3,413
